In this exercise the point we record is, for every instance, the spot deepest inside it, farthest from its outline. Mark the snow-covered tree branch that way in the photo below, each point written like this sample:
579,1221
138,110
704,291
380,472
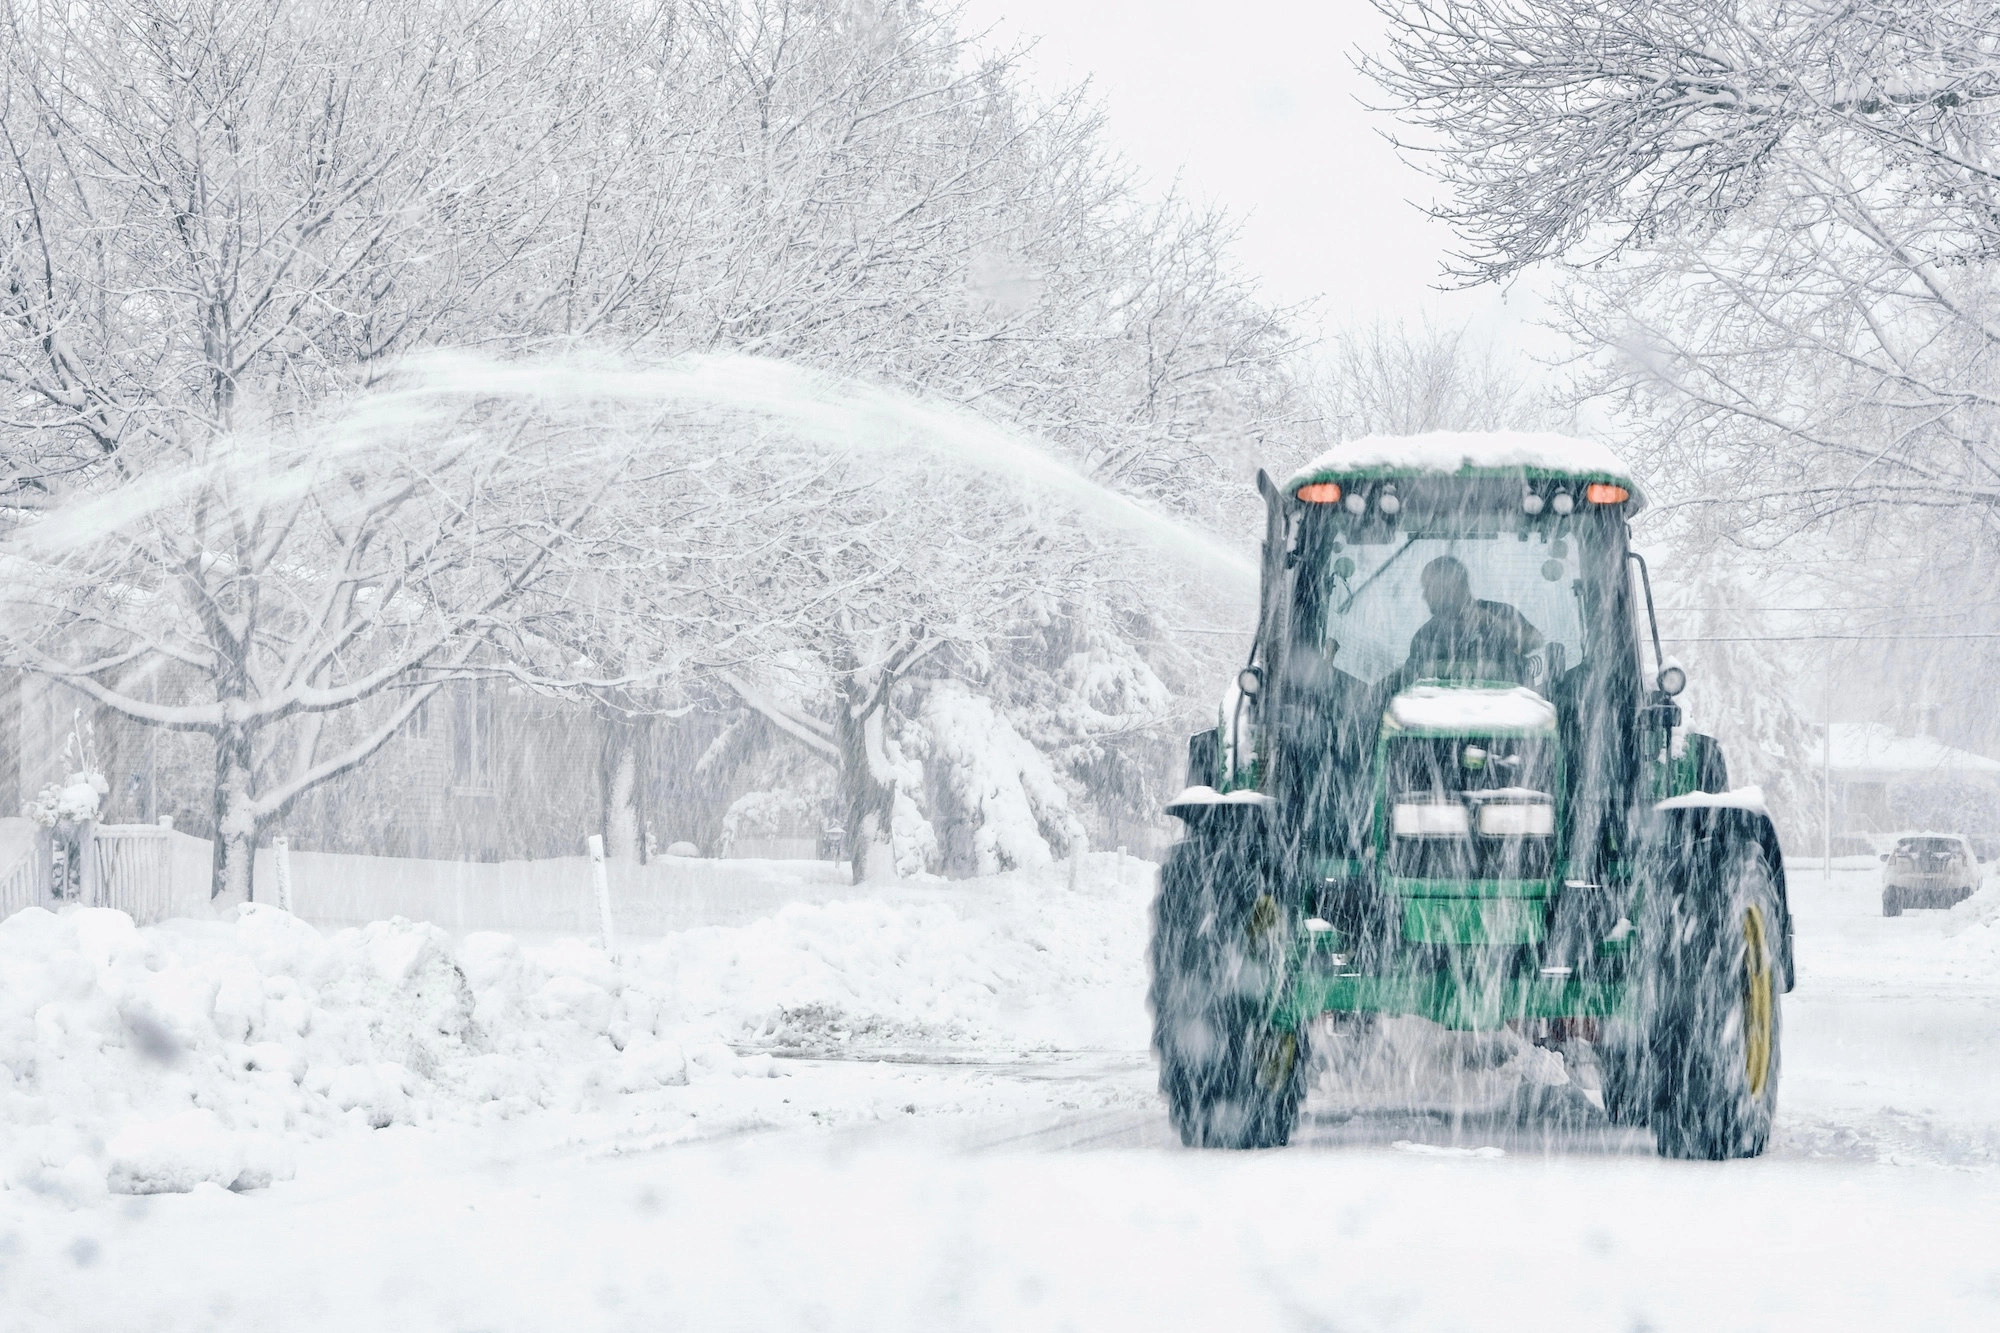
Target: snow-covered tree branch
1783,221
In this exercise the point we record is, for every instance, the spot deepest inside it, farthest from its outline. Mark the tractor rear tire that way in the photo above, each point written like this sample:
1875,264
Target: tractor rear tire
1892,903
1716,979
1230,1077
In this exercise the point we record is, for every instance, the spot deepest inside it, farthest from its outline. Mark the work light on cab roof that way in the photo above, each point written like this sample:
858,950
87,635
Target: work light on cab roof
1557,472
1447,785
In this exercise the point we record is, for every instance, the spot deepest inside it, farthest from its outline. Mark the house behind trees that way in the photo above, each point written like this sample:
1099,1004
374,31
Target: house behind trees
486,771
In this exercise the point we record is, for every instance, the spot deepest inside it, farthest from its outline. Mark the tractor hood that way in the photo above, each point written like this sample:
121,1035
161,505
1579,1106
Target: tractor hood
1437,708
1533,454
1468,811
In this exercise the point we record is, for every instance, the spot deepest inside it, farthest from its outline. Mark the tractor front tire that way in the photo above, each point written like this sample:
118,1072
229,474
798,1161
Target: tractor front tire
1716,982
1625,1081
1230,1077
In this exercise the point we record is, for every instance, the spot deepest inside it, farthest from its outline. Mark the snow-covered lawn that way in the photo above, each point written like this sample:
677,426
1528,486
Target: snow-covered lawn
701,1135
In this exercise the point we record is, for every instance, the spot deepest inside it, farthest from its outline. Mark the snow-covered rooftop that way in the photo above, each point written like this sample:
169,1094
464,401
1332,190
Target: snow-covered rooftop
1452,452
1872,747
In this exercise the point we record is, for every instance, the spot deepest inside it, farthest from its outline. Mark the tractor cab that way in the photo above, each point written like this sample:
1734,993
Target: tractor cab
1444,762
1432,671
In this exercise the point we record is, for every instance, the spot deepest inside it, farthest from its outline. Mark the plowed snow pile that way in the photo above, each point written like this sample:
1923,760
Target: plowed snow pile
154,1060
1973,934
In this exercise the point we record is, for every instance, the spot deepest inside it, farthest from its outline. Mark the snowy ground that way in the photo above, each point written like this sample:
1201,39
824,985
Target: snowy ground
926,1110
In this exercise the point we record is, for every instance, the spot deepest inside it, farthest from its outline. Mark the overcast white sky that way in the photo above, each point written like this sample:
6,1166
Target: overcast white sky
1254,104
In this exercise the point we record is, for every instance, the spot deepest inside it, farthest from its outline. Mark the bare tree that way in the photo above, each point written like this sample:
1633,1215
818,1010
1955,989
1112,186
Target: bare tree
1394,379
1787,215
914,559
228,232
895,210
270,591
220,220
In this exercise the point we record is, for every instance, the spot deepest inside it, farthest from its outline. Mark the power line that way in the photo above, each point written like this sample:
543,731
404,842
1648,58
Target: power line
1896,606
1819,638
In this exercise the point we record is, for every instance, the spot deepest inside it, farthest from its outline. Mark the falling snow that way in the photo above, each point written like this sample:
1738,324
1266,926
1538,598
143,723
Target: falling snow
610,629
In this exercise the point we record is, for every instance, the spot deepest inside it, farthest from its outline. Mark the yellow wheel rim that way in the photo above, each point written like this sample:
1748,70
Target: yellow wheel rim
1279,1057
1263,918
1757,1000
1279,1051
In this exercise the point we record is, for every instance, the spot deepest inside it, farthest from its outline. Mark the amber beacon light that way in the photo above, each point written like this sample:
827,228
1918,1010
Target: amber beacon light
1604,493
1320,492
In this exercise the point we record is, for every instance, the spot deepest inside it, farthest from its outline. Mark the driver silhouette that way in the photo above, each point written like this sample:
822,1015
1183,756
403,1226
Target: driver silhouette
1466,633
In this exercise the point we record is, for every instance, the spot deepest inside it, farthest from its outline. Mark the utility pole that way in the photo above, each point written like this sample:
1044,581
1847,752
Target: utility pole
1826,773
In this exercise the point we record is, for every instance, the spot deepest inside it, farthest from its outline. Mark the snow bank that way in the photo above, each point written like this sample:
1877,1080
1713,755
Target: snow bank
145,1061
165,1058
1973,934
974,964
1443,708
1464,451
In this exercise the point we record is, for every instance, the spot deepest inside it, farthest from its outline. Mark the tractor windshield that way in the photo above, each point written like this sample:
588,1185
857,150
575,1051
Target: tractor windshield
1458,583
1439,604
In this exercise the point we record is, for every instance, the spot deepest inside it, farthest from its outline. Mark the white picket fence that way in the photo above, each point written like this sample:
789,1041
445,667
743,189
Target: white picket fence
135,871
155,873
559,895
24,869
147,871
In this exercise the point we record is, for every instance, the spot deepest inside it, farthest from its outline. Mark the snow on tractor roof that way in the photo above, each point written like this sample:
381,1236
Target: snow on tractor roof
1467,452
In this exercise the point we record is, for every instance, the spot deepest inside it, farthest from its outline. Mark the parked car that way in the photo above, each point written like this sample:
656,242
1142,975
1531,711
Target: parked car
1929,870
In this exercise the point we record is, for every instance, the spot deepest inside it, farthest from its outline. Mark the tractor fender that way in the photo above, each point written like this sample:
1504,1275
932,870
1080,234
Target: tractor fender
1229,841
1688,838
1202,807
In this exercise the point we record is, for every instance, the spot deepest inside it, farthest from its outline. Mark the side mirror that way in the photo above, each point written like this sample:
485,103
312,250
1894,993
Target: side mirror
1662,713
1250,680
1672,681
1882,856
1204,757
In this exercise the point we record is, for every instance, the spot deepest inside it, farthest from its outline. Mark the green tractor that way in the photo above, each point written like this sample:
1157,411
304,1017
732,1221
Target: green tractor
1446,786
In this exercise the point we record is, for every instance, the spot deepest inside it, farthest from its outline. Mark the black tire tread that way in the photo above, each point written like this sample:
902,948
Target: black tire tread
1210,980
1703,1105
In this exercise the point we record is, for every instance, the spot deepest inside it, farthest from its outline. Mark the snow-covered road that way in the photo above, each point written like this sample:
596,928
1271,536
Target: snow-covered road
986,1184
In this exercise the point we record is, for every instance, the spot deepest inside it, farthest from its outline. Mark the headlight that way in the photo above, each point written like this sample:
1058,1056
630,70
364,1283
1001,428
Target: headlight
1517,821
1431,819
